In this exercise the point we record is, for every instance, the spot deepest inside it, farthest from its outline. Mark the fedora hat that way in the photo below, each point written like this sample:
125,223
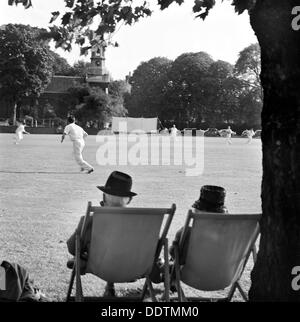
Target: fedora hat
211,199
118,184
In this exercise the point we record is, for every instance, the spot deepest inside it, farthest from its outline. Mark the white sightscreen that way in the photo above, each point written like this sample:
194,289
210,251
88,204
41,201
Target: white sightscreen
131,124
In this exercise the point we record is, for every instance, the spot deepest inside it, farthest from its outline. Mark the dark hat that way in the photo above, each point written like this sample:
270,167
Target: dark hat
211,199
71,119
118,184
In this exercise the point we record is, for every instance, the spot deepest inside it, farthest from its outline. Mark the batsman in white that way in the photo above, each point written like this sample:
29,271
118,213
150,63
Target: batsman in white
19,132
77,135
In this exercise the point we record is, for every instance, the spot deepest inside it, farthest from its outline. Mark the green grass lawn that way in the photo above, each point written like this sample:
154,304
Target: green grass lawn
43,195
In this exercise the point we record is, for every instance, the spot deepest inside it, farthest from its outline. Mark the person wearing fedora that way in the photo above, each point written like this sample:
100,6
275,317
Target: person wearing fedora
116,193
212,200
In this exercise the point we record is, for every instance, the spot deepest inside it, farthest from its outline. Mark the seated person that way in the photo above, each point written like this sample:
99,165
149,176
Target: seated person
17,286
211,200
116,193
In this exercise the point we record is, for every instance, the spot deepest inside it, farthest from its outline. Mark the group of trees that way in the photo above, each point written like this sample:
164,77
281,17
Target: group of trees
195,89
192,90
89,105
27,65
61,67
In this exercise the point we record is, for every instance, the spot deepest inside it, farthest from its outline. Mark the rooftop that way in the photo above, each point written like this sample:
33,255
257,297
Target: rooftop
61,84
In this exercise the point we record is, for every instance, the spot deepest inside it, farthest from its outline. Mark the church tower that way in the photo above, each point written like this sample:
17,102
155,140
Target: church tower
97,74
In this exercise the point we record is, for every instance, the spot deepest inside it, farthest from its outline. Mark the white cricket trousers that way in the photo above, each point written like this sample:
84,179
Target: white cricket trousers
78,146
18,137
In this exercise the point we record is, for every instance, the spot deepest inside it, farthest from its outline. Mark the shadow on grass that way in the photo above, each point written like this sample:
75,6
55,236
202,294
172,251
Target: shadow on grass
124,295
136,293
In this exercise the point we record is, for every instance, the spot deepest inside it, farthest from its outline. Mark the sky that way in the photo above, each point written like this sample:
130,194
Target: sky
167,33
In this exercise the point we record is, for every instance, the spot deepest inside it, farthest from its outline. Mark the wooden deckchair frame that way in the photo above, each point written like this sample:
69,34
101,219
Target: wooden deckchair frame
162,244
178,246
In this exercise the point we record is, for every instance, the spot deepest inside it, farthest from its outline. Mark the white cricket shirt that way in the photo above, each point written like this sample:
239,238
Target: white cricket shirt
75,132
20,128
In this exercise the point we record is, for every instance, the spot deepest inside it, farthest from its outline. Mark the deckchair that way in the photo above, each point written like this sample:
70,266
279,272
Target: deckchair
217,252
125,245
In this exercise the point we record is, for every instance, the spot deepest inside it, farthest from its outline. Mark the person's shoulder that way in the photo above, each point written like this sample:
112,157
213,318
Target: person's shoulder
82,130
77,126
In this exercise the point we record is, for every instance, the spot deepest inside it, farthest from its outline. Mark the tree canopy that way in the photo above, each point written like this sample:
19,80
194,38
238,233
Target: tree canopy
91,104
119,88
185,91
148,83
76,24
248,66
60,65
25,63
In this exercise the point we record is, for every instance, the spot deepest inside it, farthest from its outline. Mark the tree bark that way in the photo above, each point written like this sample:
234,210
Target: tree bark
280,225
14,117
16,110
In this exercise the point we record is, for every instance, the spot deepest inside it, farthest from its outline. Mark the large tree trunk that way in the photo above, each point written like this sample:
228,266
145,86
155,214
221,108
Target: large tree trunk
280,225
14,116
16,111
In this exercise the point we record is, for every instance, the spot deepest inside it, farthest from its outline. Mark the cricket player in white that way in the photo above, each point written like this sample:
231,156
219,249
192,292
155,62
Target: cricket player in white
77,135
19,132
226,133
174,131
249,134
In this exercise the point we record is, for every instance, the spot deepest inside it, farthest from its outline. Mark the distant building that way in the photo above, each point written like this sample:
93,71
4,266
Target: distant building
97,74
55,93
